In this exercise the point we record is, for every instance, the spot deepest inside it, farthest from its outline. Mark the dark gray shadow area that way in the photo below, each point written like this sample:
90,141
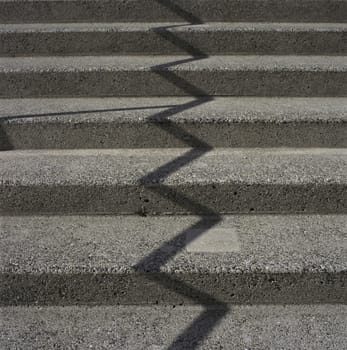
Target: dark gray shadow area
178,42
87,111
179,11
5,143
215,310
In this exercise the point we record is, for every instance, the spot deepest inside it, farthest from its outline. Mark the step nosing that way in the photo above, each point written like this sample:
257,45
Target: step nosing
172,63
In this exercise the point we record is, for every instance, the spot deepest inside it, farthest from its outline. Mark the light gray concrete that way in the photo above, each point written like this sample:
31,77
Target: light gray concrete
173,38
173,75
168,10
172,122
214,240
172,181
318,327
272,274
63,260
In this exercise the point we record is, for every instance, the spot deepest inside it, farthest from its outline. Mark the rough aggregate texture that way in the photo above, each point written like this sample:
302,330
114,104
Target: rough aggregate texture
237,75
242,281
144,260
317,327
172,122
163,10
173,38
150,181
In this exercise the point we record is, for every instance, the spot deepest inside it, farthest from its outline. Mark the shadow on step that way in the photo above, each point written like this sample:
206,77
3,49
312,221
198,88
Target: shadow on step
179,11
108,287
5,143
86,111
145,285
215,309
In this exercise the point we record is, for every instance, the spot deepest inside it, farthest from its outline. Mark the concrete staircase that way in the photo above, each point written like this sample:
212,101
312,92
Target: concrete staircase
173,174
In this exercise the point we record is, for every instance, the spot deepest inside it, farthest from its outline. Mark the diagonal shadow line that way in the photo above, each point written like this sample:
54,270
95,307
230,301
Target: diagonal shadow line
159,174
188,291
206,222
175,130
6,144
87,111
214,309
176,63
178,42
203,324
178,10
211,316
183,84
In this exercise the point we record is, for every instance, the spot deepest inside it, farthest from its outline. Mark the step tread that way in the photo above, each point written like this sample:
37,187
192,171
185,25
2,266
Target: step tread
128,166
174,63
170,26
303,327
116,244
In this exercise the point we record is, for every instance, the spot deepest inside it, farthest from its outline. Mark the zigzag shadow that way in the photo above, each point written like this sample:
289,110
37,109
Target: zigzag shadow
215,309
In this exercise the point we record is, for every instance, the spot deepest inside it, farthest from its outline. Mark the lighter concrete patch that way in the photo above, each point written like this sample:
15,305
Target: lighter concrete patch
215,240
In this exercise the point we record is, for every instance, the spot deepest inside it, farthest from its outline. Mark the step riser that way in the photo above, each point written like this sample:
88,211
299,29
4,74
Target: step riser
55,135
191,10
105,289
179,199
173,42
173,83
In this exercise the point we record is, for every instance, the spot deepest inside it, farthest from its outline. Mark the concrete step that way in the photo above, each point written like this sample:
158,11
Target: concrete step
258,327
208,260
173,75
173,38
152,181
172,122
163,10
